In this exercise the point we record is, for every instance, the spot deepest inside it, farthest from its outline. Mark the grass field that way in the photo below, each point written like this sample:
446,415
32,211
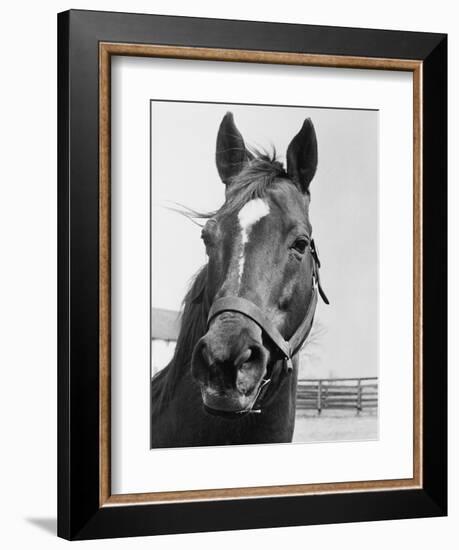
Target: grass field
335,425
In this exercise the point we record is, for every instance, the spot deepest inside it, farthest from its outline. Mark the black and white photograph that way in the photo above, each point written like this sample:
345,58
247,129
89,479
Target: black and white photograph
264,274
229,264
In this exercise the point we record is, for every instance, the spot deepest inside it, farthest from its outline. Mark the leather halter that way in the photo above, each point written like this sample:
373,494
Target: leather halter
288,348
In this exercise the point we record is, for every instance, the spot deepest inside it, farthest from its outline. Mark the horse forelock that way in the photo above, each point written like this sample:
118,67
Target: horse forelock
259,175
253,182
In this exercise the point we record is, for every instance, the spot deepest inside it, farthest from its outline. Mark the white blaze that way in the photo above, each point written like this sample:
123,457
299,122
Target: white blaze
249,215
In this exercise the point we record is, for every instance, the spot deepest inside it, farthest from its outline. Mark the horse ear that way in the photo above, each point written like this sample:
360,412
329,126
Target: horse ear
302,156
231,154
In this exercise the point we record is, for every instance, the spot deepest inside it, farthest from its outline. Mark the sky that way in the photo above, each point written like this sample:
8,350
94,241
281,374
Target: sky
343,213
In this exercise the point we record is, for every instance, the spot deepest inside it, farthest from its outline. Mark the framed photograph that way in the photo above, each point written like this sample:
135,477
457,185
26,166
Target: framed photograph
252,274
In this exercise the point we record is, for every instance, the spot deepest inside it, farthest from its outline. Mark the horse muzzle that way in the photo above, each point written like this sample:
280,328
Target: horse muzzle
230,363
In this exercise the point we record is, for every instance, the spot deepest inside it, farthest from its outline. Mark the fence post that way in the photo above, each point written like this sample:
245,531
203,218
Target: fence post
319,396
359,396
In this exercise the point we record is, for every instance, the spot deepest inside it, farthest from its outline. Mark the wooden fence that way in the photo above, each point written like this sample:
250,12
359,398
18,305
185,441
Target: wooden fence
338,393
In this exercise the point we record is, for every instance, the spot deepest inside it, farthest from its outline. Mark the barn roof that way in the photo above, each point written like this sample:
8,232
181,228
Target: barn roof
165,324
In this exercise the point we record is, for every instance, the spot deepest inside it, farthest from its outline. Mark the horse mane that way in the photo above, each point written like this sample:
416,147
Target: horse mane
253,181
192,326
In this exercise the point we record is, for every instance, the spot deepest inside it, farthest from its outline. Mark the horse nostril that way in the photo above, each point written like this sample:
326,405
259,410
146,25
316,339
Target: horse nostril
251,357
243,357
251,369
201,361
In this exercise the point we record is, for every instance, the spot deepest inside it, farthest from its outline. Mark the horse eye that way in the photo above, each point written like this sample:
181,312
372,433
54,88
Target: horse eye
300,245
206,237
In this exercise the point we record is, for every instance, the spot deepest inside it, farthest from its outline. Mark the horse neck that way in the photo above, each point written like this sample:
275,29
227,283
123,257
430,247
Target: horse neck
283,380
193,327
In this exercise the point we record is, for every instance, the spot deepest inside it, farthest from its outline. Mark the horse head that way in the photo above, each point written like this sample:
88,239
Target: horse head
262,271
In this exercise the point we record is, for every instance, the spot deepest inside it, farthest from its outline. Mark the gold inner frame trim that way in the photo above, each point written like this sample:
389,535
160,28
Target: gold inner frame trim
106,50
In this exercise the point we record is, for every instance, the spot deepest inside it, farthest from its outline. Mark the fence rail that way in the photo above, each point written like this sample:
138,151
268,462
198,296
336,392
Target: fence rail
338,393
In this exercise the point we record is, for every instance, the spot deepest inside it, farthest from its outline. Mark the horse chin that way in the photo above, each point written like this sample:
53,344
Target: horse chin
229,405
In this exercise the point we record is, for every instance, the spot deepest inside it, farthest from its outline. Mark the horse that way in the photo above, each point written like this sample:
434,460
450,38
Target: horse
233,377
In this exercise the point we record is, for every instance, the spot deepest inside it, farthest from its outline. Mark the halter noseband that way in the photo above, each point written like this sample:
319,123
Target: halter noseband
288,348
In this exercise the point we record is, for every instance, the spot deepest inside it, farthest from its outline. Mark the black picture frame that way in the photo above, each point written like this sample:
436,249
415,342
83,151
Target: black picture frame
80,515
